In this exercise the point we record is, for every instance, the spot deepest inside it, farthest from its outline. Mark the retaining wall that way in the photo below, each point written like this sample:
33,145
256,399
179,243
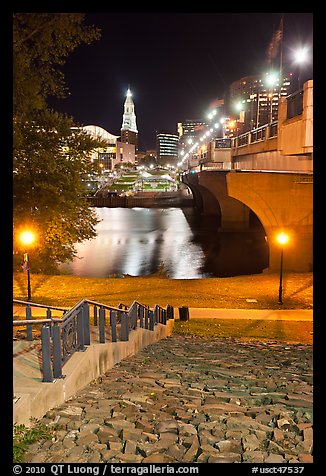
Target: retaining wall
34,397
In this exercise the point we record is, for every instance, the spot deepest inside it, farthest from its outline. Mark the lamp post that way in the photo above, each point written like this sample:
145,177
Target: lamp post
27,238
271,81
301,56
282,239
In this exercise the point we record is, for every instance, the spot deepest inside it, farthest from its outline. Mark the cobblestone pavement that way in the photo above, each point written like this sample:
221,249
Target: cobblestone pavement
190,400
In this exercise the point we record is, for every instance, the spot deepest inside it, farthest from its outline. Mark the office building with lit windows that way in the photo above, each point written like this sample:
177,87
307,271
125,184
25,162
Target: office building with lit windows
256,99
189,131
167,148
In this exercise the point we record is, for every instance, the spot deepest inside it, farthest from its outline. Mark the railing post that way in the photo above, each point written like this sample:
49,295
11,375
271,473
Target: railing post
57,356
29,327
124,327
46,354
102,325
133,316
170,312
151,320
49,316
95,315
141,316
155,315
113,323
80,330
87,333
146,318
164,316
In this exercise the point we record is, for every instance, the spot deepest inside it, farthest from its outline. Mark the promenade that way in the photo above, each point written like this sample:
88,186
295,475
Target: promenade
191,399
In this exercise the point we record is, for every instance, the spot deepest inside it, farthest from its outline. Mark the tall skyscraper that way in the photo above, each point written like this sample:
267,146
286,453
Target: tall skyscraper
129,132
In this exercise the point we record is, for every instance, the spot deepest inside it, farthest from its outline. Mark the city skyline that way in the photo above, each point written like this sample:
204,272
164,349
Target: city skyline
175,64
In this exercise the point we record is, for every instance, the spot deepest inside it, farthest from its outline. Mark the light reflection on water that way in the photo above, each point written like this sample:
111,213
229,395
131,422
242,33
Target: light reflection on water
135,241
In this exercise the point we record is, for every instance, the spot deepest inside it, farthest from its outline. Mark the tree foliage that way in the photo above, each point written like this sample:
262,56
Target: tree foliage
50,156
41,44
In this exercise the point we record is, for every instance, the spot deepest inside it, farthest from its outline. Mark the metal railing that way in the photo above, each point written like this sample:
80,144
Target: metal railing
62,336
294,104
262,133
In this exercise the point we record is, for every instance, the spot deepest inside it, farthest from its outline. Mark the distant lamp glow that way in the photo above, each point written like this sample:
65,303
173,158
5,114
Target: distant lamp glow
27,238
282,239
271,79
301,55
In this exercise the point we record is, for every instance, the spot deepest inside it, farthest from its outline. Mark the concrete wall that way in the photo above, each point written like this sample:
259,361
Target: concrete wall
273,160
295,135
35,397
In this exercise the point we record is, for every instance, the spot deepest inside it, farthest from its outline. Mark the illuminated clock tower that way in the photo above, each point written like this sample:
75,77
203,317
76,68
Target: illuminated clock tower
129,132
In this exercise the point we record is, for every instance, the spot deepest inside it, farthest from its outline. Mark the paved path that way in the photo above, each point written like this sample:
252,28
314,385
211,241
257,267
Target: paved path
186,400
263,314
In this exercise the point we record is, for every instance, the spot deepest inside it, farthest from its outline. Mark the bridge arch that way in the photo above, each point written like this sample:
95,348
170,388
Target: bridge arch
282,202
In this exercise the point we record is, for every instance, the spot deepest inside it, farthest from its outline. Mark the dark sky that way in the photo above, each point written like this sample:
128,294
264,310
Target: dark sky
175,63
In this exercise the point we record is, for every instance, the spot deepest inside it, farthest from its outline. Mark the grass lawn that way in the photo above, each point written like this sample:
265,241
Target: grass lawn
223,293
227,293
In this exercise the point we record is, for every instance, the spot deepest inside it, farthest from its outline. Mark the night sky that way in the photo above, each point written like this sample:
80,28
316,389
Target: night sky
175,63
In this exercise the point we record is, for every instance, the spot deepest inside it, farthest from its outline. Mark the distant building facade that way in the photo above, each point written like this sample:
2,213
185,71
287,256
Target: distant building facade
167,148
189,130
116,152
256,99
129,131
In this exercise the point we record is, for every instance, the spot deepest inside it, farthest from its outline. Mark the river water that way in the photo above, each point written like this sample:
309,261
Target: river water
137,241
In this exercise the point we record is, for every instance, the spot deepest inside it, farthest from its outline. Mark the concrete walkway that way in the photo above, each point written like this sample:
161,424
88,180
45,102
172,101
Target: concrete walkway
263,314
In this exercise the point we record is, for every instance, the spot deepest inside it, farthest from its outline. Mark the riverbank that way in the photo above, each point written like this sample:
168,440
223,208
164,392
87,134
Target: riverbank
240,292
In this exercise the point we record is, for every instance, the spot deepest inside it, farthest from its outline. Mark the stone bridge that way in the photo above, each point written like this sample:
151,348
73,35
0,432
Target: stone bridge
281,202
266,173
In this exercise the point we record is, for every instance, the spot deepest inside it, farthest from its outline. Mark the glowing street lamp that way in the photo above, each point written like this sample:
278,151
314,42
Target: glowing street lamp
300,57
27,238
271,80
282,238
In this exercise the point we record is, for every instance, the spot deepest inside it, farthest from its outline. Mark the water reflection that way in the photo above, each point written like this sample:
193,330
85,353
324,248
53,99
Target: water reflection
135,241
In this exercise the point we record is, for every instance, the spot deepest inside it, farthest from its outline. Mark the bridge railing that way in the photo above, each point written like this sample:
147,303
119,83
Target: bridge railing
62,336
262,133
294,104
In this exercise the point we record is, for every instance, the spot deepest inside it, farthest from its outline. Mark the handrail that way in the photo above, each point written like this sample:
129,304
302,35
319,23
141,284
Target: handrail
80,303
31,321
62,336
45,306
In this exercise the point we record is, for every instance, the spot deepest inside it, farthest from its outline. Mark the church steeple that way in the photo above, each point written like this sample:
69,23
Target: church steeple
129,116
129,132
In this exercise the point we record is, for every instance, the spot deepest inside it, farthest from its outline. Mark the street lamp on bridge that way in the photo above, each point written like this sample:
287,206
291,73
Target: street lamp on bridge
282,239
27,239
